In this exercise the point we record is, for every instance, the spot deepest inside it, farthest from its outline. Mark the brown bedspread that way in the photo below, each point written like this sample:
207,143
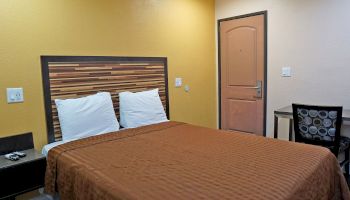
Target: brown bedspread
180,161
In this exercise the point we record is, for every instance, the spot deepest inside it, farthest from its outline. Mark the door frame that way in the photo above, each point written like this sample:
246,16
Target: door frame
264,13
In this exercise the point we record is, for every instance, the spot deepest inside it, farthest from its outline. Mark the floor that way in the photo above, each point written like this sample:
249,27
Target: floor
35,195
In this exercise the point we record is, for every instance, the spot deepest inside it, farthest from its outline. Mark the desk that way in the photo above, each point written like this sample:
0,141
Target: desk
287,112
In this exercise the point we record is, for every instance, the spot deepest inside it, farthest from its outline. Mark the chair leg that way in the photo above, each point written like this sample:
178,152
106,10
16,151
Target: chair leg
347,165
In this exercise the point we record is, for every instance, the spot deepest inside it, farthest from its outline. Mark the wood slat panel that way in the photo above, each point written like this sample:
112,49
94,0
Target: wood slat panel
73,77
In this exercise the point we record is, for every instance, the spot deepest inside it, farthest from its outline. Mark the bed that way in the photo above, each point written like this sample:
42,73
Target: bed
171,160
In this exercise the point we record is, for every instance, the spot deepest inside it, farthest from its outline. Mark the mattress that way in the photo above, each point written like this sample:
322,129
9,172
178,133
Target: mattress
175,160
48,147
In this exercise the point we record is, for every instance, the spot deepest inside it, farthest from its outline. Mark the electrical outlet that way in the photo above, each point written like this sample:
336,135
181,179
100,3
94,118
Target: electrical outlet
15,95
187,88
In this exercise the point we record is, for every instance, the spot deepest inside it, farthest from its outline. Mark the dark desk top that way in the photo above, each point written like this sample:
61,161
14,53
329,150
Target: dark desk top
288,113
32,154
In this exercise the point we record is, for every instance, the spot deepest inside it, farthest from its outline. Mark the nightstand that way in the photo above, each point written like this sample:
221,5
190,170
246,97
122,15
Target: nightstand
21,176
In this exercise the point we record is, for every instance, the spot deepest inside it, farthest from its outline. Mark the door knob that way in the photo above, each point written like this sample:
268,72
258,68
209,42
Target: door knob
258,89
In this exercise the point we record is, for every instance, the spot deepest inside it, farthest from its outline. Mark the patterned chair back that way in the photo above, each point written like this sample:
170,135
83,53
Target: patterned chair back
319,125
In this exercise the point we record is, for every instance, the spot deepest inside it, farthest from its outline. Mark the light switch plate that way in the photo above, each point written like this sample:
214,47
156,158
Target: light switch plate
286,72
178,82
15,95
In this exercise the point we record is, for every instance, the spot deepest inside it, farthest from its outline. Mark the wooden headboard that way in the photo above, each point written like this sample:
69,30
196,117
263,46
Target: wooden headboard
77,76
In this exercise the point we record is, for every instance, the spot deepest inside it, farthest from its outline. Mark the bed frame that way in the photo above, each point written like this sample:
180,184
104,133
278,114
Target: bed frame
77,76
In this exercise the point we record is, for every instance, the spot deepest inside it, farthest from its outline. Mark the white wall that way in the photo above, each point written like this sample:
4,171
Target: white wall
313,37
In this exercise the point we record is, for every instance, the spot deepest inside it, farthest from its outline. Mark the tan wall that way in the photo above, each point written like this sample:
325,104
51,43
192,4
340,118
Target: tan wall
182,30
313,37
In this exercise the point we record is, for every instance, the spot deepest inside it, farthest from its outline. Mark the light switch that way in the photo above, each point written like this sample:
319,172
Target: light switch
286,72
178,82
15,95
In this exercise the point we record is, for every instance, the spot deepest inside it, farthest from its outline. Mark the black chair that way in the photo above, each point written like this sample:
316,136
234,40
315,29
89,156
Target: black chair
320,125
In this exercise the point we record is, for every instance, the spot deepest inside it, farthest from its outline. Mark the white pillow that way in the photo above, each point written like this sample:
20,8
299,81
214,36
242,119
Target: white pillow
86,116
141,108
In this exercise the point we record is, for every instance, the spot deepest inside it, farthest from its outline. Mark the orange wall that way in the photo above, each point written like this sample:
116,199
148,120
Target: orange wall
182,30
